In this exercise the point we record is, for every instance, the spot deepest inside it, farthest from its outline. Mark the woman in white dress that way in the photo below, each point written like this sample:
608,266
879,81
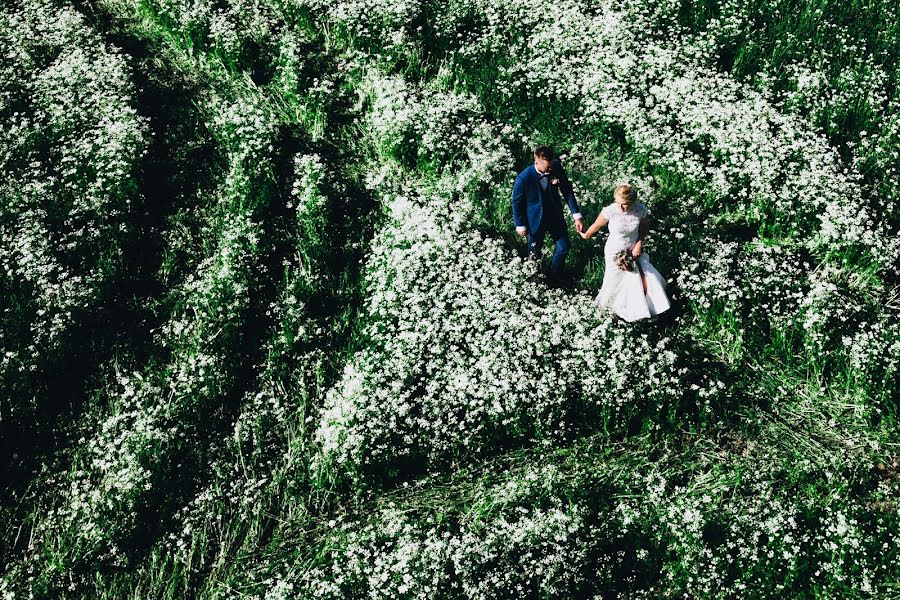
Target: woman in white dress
632,294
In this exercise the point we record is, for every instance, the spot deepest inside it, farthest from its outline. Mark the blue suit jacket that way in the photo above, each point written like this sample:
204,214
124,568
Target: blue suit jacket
527,205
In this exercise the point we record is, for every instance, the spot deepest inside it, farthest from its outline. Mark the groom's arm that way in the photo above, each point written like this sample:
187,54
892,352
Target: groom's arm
565,186
518,206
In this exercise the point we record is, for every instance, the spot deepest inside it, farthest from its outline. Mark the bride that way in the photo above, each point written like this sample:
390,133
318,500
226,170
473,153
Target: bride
632,287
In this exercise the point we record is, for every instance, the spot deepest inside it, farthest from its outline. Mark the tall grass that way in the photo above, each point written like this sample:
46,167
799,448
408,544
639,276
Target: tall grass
281,240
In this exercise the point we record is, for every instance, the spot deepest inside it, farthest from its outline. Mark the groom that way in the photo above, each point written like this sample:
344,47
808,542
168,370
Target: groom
537,208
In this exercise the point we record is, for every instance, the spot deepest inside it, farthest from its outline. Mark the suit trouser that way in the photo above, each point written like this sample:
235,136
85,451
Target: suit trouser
557,229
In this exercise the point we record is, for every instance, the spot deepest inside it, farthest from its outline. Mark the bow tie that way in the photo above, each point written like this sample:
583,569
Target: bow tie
542,175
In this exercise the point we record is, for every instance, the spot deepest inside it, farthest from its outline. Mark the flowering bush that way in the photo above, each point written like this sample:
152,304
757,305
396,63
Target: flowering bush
450,395
465,354
428,127
700,522
394,557
238,33
123,473
265,452
742,153
70,150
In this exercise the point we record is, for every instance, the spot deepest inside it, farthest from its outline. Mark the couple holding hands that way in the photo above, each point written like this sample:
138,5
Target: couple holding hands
632,288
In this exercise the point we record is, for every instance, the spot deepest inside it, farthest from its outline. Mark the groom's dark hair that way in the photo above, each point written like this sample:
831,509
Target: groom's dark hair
545,152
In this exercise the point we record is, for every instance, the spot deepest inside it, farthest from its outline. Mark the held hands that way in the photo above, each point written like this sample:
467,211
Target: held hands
584,232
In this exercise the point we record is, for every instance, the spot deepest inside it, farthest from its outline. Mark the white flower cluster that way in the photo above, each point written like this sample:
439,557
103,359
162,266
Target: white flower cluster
760,536
835,79
739,527
229,30
744,152
522,546
245,128
378,23
69,146
267,448
873,352
465,353
138,450
309,204
432,128
755,284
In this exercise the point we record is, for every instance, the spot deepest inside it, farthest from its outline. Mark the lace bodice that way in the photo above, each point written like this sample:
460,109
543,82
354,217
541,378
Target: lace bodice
623,226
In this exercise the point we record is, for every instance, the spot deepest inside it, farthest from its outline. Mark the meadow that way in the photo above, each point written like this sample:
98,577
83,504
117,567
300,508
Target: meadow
267,330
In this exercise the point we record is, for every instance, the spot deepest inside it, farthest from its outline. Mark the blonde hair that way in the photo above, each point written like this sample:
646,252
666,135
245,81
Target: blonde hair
626,192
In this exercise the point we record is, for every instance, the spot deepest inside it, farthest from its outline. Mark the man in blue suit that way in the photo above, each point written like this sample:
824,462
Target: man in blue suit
537,208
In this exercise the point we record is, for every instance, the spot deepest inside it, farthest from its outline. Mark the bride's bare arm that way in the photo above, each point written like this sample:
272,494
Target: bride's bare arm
643,228
599,222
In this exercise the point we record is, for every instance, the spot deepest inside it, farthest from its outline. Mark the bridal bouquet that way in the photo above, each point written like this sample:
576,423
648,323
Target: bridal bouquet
624,260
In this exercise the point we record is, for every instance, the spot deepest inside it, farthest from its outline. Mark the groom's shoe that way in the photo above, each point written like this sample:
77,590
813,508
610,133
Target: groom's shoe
562,281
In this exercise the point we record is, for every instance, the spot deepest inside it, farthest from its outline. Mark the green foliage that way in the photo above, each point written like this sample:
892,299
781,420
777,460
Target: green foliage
332,376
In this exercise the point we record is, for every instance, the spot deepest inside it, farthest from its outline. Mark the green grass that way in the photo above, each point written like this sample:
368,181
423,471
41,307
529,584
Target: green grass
788,402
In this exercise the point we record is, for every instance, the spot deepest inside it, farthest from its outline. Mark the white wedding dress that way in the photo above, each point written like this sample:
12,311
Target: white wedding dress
622,291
